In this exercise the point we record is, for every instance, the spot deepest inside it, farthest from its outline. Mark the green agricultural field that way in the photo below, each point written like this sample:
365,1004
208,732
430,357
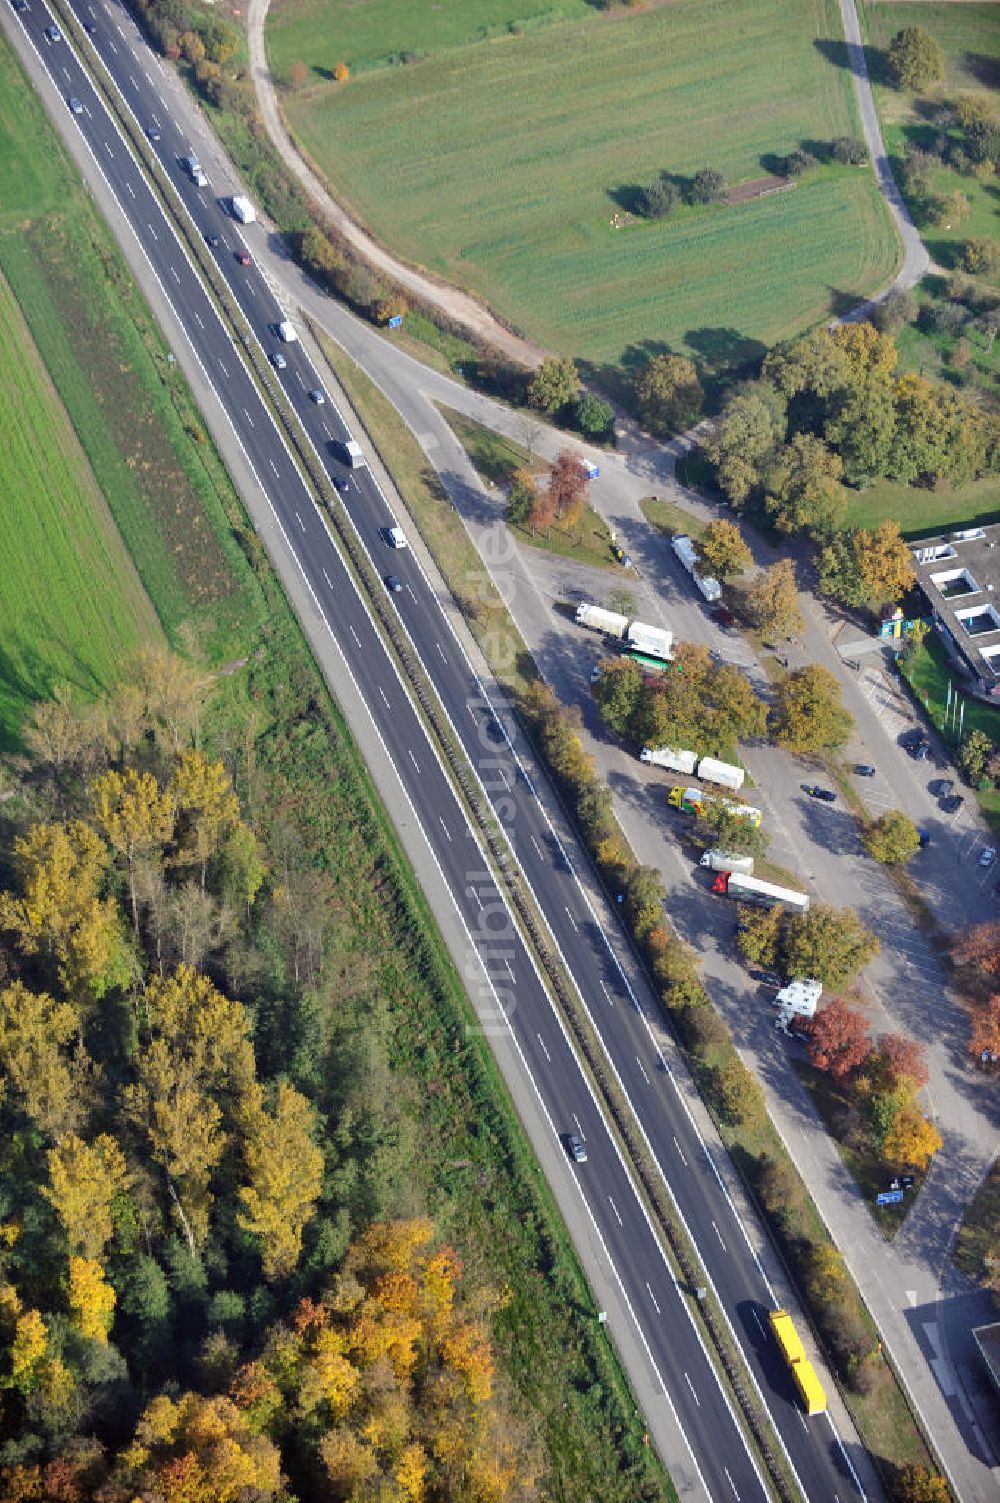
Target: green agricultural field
71,603
969,36
501,166
325,32
140,450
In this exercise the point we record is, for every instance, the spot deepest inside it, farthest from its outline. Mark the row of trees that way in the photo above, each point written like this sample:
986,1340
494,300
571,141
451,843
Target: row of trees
194,1300
667,191
708,707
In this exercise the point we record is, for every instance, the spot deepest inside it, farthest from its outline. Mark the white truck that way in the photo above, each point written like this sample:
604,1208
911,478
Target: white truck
286,331
673,757
685,550
242,209
598,619
653,641
348,451
724,773
796,1000
722,861
758,892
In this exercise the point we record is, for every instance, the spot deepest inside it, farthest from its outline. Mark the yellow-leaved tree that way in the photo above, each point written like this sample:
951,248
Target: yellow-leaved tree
207,807
198,1450
36,1070
91,1298
135,816
84,1179
285,1169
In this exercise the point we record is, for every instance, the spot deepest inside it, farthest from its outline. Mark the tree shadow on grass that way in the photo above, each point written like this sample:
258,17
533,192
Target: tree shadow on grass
723,356
984,69
834,50
631,197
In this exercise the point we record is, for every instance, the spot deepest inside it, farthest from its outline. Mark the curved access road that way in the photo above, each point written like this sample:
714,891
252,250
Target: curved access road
460,306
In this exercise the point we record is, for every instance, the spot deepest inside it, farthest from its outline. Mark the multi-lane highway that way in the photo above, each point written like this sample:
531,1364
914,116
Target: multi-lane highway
722,1463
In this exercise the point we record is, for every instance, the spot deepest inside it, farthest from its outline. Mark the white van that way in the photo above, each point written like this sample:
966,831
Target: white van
395,537
286,331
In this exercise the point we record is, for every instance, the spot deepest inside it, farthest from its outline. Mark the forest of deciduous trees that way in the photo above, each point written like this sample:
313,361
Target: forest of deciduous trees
218,1280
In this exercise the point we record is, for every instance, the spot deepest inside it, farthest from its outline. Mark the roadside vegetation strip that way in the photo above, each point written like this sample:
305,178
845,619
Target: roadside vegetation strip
536,240
74,605
882,1413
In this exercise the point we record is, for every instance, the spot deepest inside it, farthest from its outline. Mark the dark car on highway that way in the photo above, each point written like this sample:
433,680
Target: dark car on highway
825,795
211,240
341,484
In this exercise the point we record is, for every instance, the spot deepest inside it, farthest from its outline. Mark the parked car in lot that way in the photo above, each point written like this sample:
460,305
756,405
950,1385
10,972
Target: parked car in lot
723,617
987,855
920,749
942,787
575,1147
825,795
865,770
924,838
952,804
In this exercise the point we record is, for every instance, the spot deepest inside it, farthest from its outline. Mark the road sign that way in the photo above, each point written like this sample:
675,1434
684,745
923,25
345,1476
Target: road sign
395,321
888,1197
907,1181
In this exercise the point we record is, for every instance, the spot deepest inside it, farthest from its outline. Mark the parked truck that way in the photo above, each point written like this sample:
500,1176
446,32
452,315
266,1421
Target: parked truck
598,619
673,757
694,800
242,209
651,641
748,889
686,551
726,861
796,1002
711,771
803,1373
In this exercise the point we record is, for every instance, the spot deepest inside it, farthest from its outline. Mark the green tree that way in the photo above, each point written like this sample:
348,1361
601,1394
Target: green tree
884,563
759,936
555,383
594,418
722,549
837,570
617,692
849,151
645,897
285,1169
861,426
976,747
949,209
707,186
981,257
897,309
808,714
773,601
724,830
668,394
915,58
892,838
660,198
804,490
744,438
740,1097
241,868
828,944
522,497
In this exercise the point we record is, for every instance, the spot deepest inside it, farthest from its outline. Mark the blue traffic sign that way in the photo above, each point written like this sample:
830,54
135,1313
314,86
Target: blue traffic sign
395,321
888,1197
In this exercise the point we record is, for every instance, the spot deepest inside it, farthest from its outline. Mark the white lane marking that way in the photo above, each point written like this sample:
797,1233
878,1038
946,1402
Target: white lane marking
119,31
541,1041
274,467
732,1484
644,1075
198,321
301,523
328,579
226,374
510,973
299,379
148,77
173,273
327,431
130,189
66,71
694,1395
382,693
583,1138
444,827
441,652
538,849
572,920
719,1235
656,1306
607,994
760,1324
409,591
681,1152
615,1209
358,640
110,150
248,417
410,755
475,894
131,79
114,49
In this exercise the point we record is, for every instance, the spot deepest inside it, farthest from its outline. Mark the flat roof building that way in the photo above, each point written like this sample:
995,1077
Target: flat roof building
959,572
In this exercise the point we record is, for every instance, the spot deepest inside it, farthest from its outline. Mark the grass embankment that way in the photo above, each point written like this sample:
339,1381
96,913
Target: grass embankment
977,1236
426,157
71,604
883,1417
475,1169
669,518
928,673
133,414
496,457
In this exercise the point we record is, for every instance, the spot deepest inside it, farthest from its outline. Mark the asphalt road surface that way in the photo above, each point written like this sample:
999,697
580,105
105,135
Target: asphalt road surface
722,1466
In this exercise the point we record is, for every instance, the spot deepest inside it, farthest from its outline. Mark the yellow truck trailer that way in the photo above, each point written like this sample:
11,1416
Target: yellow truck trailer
809,1387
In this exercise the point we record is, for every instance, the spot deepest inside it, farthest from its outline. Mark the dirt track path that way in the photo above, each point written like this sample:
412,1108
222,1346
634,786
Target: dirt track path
458,305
